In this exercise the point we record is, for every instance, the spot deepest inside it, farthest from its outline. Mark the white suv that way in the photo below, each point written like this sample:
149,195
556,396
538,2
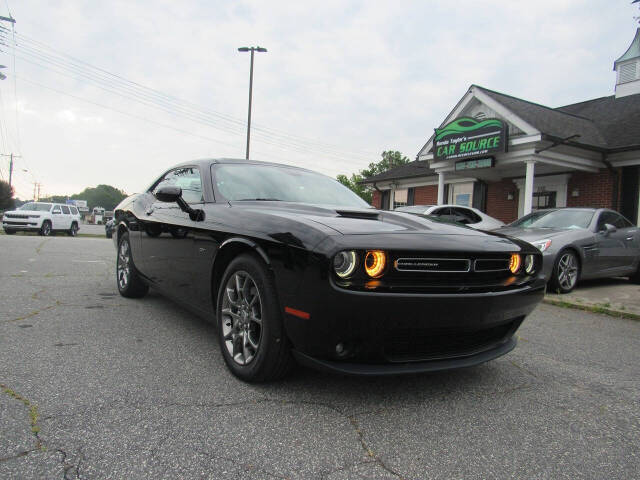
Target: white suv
45,218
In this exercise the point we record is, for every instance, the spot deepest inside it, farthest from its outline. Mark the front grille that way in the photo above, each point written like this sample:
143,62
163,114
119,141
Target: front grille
407,343
21,224
16,216
436,264
491,265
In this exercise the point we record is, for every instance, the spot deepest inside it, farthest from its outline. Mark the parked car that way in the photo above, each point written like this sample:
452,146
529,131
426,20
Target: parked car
290,265
42,217
469,216
580,243
108,228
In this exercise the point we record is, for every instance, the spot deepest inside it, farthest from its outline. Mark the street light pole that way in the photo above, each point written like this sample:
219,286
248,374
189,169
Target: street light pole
252,50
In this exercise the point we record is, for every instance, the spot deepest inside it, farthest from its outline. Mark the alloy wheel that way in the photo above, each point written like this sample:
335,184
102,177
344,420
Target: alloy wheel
242,318
567,271
46,229
124,265
74,230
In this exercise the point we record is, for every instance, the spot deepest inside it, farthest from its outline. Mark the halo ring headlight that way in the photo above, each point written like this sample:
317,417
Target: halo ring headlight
375,262
515,262
344,263
529,264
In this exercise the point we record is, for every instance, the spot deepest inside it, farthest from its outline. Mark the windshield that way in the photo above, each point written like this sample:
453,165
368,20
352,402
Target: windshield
40,207
565,219
244,181
527,220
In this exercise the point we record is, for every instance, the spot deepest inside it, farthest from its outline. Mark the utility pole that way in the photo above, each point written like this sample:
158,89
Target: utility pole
252,50
11,157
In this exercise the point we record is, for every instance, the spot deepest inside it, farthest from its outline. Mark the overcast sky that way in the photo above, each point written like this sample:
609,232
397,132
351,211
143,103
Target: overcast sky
342,80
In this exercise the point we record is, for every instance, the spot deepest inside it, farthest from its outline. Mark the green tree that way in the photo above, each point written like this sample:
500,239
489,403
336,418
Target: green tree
104,196
6,196
390,159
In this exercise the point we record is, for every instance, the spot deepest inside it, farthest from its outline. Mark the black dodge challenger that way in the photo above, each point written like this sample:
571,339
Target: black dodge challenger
291,265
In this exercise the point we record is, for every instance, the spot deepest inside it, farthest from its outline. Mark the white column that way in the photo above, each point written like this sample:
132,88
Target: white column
528,187
392,197
440,188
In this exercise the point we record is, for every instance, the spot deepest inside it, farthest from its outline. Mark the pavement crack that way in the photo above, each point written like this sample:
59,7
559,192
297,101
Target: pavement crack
33,414
71,470
523,369
18,455
32,314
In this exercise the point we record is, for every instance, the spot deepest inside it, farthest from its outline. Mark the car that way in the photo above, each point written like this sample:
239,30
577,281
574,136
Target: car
580,243
108,228
291,265
42,217
469,216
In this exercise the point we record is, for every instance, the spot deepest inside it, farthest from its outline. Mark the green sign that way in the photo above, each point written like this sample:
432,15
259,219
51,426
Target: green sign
475,163
467,137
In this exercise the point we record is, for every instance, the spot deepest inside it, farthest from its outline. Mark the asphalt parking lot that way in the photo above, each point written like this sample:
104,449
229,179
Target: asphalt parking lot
93,385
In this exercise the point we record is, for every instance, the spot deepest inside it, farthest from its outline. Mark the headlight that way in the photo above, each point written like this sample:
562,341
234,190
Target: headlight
375,262
529,264
542,245
514,263
344,263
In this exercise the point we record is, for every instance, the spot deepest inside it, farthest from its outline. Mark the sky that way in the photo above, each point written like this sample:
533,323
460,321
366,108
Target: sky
117,92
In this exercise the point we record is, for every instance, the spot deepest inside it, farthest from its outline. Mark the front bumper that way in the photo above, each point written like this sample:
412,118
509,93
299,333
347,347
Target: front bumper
374,333
20,225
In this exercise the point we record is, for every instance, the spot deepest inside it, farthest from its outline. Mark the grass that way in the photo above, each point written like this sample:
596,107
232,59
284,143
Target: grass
33,412
30,234
602,308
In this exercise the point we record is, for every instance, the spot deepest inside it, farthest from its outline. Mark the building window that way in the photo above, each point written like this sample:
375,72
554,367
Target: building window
544,200
401,198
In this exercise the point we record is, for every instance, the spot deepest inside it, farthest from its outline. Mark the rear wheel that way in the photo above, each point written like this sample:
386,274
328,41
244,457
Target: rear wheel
250,330
129,282
566,272
73,231
45,229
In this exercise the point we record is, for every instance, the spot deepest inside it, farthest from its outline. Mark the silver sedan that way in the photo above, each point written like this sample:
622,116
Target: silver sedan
580,243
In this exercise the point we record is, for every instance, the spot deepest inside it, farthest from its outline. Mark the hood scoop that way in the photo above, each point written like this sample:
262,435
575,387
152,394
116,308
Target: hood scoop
358,214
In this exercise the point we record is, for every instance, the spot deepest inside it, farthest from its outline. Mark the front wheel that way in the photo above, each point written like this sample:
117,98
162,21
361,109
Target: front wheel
45,229
252,339
129,282
566,271
9,232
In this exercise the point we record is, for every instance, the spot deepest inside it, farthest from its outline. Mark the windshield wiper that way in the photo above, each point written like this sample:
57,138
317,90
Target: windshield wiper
258,200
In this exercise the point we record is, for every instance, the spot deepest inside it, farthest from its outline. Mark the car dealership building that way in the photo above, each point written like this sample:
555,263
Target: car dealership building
508,156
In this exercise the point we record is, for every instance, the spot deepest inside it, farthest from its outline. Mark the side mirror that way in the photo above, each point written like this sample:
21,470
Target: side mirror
608,228
169,193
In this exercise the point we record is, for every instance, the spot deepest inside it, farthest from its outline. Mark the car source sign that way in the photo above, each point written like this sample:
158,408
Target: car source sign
466,137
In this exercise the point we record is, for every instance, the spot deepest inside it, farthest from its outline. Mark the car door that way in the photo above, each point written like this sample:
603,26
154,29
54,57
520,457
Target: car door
57,220
167,239
631,241
612,245
67,218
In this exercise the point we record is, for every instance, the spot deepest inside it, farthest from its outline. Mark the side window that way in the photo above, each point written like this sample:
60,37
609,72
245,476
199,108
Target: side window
606,217
444,213
621,222
56,209
65,210
466,216
188,179
74,210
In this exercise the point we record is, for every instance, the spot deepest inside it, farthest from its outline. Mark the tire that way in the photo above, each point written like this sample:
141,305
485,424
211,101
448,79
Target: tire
635,278
109,234
73,231
251,334
9,232
45,229
566,272
129,283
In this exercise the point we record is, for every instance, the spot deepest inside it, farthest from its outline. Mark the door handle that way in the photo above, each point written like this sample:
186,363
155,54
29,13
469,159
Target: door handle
629,238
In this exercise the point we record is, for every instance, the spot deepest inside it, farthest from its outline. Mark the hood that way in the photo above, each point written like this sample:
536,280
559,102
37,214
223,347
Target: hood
533,234
25,212
358,221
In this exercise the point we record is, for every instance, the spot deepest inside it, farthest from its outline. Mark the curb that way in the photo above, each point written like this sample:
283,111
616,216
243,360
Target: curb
593,309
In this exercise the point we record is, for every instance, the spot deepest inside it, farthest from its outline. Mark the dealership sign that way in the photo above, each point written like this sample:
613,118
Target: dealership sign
467,137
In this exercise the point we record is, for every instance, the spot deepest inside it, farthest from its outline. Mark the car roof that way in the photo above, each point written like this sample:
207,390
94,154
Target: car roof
204,162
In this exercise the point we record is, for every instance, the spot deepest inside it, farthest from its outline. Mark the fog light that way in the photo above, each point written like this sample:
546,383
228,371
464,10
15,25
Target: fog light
374,263
344,263
340,348
514,263
529,264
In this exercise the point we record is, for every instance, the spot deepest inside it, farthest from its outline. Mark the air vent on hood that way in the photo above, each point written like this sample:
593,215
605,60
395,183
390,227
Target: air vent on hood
358,214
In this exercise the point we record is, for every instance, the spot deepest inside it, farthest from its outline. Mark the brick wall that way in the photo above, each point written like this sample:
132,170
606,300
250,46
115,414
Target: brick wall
427,195
498,206
595,189
376,199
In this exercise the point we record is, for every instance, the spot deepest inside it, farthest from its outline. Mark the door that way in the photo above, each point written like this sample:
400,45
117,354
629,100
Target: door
618,249
66,217
167,239
57,220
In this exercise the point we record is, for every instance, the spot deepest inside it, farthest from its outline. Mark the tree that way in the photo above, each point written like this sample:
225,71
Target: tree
104,196
390,159
6,196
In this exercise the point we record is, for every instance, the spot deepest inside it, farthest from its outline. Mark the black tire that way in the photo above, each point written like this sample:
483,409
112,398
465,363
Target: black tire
272,358
45,229
73,231
566,272
635,278
9,232
109,234
129,283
